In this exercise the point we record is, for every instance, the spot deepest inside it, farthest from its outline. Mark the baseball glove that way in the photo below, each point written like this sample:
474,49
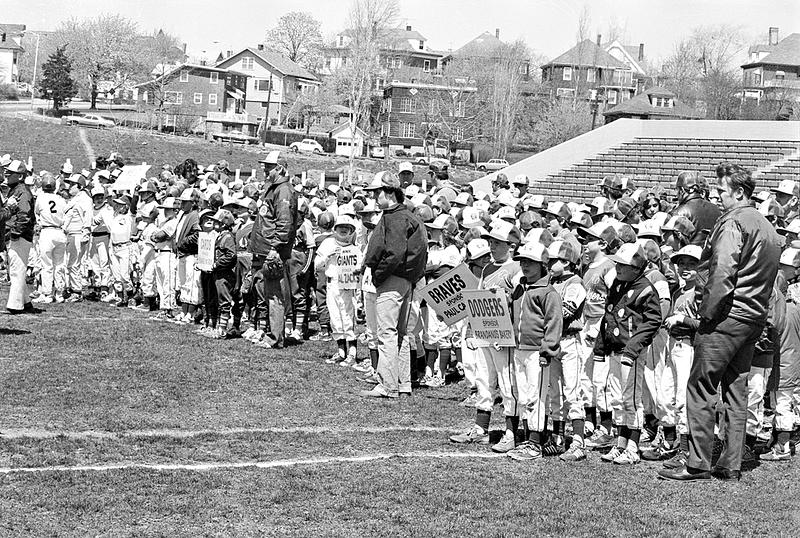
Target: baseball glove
273,268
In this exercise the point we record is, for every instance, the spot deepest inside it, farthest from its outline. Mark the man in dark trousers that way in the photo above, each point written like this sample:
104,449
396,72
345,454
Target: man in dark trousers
742,261
17,214
396,254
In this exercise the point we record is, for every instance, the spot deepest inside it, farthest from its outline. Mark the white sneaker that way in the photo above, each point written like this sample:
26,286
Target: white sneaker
628,457
109,298
349,361
256,336
248,333
43,299
335,359
434,381
612,455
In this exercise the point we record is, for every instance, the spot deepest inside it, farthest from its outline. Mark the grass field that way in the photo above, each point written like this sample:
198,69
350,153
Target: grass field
116,425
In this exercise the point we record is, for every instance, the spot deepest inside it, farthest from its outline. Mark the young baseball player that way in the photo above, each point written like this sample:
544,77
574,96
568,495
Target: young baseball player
370,215
478,257
122,228
632,318
330,264
99,256
224,271
325,222
49,213
538,322
208,287
147,214
164,242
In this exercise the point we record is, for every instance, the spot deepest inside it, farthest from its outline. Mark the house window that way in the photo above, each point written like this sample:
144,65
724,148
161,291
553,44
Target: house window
567,73
524,69
460,109
212,98
214,77
565,92
459,133
247,63
341,41
421,45
379,83
591,75
407,104
612,97
198,98
756,79
395,62
144,97
184,76
175,98
426,65
389,104
780,75
263,104
407,130
262,85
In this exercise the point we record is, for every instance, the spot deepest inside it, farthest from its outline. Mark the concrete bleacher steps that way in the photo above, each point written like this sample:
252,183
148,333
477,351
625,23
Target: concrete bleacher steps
653,153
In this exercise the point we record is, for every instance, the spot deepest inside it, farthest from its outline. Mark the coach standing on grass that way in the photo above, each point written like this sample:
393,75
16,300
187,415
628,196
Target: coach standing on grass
741,257
396,255
19,222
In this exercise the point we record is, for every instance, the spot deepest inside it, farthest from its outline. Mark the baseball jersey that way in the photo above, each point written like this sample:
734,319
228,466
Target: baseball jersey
122,227
573,297
78,214
500,275
597,280
330,257
49,210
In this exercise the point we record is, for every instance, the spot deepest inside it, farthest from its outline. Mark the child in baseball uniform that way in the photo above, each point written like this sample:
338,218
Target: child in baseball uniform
147,214
338,262
478,257
122,228
49,213
538,321
325,222
208,288
370,215
164,243
224,271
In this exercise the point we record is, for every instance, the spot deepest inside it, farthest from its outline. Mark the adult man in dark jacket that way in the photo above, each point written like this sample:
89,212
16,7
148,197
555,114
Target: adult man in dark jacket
742,261
271,241
692,191
397,254
19,222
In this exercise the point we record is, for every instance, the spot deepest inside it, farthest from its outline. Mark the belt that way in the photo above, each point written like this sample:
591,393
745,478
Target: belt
51,227
100,234
121,244
165,250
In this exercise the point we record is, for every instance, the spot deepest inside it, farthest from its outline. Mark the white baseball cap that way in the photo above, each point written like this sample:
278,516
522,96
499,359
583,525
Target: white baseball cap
405,166
791,257
477,248
788,186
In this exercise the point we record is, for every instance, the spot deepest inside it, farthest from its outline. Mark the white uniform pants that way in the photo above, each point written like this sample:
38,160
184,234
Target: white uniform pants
787,402
496,368
680,355
75,260
566,400
624,385
52,249
342,308
660,380
371,315
165,279
18,294
532,380
756,388
188,280
99,261
121,267
148,280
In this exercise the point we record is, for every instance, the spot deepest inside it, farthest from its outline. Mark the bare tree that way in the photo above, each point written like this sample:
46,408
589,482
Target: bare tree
297,35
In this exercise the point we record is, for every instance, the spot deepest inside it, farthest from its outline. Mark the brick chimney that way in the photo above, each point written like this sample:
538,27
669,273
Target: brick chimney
773,35
408,28
641,51
599,39
497,33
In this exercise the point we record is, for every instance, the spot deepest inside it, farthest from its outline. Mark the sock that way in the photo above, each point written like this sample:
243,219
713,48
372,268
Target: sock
373,357
684,443
352,351
750,440
651,424
444,360
558,427
341,344
670,434
525,430
430,360
482,419
578,426
191,310
591,415
782,441
605,420
512,423
457,351
632,446
185,308
536,438
634,435
622,439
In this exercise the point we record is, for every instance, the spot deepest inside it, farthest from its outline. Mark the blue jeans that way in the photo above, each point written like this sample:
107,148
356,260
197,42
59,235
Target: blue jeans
393,308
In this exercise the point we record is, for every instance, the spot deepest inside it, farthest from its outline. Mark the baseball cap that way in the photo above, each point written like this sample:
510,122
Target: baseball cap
625,206
603,231
147,211
505,213
650,248
691,251
66,168
648,228
439,223
788,186
16,167
370,207
535,201
5,160
77,179
770,208
539,235
564,250
601,206
482,205
405,166
792,228
271,158
122,199
347,209
583,220
169,203
612,182
188,196
98,190
630,254
791,257
383,180
680,224
411,191
344,220
420,199
506,198
560,210
504,231
462,199
534,251
761,196
520,179
477,248
471,218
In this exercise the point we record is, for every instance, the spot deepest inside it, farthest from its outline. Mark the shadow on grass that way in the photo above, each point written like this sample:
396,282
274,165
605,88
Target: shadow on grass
13,332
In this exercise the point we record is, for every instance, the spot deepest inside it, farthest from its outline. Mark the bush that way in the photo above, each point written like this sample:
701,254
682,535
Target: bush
8,92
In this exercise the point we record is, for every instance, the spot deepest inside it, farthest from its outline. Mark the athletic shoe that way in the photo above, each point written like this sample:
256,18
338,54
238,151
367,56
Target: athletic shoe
677,461
322,336
600,440
364,366
370,378
232,333
74,298
748,456
248,333
469,401
434,382
526,451
59,298
474,434
575,453
628,457
108,298
264,343
256,336
506,443
217,334
613,454
294,337
551,448
776,455
349,361
163,315
202,330
334,359
662,451
43,299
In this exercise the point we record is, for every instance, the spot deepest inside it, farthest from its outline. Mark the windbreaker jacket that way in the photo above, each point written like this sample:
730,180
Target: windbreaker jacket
741,262
275,225
187,234
538,317
20,220
702,213
398,246
225,252
631,320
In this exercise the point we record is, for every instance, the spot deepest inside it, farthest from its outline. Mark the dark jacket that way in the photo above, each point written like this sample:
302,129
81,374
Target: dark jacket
398,246
741,262
631,320
538,317
768,344
275,224
225,252
702,213
20,220
186,238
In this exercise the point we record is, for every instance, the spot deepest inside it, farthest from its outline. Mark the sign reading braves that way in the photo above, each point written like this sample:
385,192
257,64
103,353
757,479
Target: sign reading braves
205,250
489,318
348,262
445,295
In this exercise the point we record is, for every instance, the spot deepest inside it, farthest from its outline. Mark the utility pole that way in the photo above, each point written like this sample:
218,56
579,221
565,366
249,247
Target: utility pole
35,62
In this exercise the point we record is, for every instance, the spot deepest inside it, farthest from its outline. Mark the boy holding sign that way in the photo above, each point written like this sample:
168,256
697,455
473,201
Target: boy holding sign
340,262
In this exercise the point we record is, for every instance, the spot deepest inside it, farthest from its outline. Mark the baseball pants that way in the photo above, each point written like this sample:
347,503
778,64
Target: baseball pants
660,380
371,315
342,307
18,295
680,355
52,250
165,279
121,267
75,259
787,401
188,282
148,280
99,261
566,399
756,388
496,367
469,358
532,380
625,388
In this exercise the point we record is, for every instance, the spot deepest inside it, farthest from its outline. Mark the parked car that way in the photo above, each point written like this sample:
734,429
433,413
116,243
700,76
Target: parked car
88,120
400,153
491,164
235,136
377,152
307,145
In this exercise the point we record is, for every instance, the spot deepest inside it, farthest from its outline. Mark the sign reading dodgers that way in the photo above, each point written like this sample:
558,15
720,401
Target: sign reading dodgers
489,318
445,295
205,250
348,260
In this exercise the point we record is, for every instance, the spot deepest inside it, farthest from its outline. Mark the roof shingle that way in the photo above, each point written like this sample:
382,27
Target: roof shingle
587,53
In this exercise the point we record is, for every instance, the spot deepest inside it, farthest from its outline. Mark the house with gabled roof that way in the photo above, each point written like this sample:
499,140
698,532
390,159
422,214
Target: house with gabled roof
486,46
655,103
10,52
274,82
772,72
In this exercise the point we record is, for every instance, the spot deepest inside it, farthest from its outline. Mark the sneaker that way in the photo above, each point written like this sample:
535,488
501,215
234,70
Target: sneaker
628,457
264,343
334,359
74,298
646,438
552,448
526,451
576,452
322,336
364,366
202,330
349,361
59,299
473,435
678,460
371,377
662,451
505,444
164,315
294,337
256,336
776,455
469,401
217,334
748,456
599,439
434,382
248,333
232,334
43,299
612,454
108,298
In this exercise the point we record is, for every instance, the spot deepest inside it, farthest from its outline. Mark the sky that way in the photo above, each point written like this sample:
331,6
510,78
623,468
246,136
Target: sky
548,26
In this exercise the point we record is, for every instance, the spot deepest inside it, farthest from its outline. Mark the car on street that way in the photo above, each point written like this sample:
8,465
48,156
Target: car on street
88,120
377,152
307,145
491,164
235,136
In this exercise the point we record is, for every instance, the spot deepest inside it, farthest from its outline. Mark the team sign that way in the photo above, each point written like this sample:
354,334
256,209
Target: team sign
445,295
347,262
205,250
489,318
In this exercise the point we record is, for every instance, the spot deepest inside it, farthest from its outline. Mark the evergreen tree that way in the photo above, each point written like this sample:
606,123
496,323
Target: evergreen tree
57,84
